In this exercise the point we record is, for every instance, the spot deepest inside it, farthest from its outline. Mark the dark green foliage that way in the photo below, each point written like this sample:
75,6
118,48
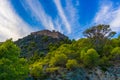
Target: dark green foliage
45,38
106,50
104,62
11,66
115,42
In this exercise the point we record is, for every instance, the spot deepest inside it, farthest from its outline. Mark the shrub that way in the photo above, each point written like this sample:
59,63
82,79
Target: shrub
58,60
115,54
91,58
72,64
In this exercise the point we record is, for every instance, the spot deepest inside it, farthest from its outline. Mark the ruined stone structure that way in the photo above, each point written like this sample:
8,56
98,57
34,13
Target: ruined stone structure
53,34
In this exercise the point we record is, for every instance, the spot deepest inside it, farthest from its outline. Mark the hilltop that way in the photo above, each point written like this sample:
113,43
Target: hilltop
53,34
40,41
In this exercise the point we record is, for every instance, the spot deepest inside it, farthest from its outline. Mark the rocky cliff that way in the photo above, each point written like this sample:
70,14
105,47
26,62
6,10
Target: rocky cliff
113,73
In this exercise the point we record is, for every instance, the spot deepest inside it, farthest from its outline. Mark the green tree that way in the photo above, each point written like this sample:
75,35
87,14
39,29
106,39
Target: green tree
99,35
91,58
11,66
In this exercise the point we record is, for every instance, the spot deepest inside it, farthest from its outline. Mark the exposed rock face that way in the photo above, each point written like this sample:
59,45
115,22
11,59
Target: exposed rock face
113,73
52,34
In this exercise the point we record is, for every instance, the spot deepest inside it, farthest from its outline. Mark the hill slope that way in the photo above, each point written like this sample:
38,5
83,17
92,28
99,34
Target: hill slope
40,42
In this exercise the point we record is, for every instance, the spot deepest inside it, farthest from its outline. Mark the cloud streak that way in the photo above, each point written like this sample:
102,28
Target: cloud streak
37,11
11,25
62,15
108,15
72,14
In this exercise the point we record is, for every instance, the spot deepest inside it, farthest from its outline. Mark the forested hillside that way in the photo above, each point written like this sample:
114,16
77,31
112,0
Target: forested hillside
39,43
42,56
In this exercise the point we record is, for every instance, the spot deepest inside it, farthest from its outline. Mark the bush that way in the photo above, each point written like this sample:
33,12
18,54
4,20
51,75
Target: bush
72,64
36,70
58,60
115,54
91,58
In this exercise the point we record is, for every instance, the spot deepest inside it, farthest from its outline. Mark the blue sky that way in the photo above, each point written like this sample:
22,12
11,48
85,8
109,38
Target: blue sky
19,18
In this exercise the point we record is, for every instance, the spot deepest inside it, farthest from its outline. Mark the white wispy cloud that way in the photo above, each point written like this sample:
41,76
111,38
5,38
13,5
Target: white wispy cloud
73,16
11,25
37,11
108,14
62,15
58,23
72,13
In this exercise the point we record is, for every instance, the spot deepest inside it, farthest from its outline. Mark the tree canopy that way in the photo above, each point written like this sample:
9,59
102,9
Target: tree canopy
99,35
11,66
